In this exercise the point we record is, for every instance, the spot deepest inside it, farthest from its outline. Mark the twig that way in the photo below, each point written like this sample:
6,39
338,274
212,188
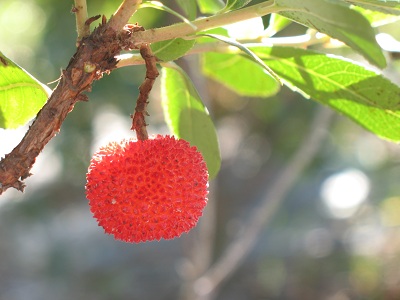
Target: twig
138,119
218,46
81,15
239,248
93,58
183,29
123,13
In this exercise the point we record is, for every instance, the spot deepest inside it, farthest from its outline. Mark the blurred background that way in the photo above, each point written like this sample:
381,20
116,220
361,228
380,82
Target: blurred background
336,235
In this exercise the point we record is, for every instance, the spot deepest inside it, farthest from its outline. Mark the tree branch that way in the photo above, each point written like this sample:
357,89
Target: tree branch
239,248
123,14
81,15
183,29
94,57
305,40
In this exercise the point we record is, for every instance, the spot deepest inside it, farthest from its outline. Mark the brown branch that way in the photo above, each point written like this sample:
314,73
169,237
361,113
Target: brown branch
94,57
138,119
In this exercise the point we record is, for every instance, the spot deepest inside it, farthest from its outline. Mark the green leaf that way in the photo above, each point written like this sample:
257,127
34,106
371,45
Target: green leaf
363,95
189,7
239,74
206,36
161,6
376,18
245,50
171,49
21,95
210,6
235,4
385,6
187,116
337,21
276,24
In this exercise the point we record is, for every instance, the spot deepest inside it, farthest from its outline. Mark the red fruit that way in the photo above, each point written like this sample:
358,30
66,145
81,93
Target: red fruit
147,190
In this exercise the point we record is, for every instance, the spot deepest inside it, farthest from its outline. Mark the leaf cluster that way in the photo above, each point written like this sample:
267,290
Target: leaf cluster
255,60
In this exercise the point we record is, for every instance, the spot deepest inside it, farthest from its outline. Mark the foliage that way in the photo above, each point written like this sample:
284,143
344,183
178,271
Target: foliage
264,127
348,87
187,116
21,95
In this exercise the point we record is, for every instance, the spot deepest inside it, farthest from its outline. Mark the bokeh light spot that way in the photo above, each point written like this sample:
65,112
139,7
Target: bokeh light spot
344,192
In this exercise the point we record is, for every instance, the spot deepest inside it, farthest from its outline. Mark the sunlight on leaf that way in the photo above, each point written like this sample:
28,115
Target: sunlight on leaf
245,50
276,24
385,6
21,95
161,6
171,49
235,4
376,18
186,115
231,70
337,21
189,7
363,95
210,6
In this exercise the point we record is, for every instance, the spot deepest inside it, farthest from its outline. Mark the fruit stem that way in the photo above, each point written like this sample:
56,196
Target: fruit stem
138,119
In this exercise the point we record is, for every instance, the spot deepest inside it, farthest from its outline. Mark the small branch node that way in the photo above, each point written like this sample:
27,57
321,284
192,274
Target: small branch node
92,19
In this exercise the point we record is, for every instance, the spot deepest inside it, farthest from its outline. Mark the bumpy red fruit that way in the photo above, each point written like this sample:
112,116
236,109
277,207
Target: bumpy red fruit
147,190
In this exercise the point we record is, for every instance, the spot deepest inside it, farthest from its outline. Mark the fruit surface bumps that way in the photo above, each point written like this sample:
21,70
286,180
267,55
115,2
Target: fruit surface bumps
147,190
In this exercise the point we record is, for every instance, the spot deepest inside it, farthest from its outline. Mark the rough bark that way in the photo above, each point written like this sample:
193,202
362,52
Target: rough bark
95,56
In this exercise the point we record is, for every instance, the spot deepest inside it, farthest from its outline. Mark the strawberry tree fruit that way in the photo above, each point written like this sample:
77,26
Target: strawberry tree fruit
148,189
